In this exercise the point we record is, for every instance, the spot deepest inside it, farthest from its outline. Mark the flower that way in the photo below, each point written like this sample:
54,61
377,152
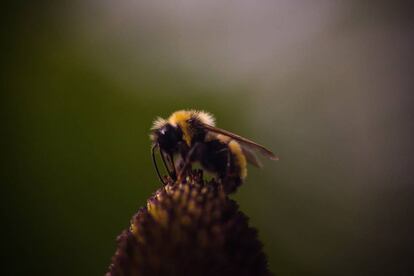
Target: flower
189,228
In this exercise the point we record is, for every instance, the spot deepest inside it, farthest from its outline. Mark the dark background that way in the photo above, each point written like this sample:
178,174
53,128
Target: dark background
325,84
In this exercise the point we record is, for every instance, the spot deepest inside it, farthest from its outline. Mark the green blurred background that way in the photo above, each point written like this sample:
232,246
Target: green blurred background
325,84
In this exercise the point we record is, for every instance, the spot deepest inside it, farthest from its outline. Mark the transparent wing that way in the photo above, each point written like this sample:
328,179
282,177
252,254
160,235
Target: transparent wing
251,156
246,144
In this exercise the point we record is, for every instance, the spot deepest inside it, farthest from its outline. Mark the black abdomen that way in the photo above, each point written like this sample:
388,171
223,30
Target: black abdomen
216,156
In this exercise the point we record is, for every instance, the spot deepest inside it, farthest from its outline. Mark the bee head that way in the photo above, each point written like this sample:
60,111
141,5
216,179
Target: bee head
168,137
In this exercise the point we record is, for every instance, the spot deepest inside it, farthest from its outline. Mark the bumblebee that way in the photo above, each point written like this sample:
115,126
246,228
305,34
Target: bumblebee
190,136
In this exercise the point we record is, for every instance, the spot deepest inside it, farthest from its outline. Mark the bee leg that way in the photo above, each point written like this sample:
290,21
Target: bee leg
187,162
164,156
174,171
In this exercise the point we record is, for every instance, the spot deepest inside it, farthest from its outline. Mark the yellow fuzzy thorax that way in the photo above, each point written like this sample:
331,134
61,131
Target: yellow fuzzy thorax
180,118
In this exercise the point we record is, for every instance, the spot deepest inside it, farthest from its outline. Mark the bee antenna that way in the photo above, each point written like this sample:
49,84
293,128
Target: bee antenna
154,161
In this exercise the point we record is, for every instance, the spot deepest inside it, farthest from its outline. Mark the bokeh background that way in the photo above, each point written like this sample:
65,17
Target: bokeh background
325,84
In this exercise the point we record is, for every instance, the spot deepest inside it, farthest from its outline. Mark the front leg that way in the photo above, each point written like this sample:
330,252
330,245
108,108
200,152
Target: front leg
174,172
189,158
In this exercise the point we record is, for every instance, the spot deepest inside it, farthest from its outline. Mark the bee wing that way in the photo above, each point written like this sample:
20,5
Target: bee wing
246,144
251,156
